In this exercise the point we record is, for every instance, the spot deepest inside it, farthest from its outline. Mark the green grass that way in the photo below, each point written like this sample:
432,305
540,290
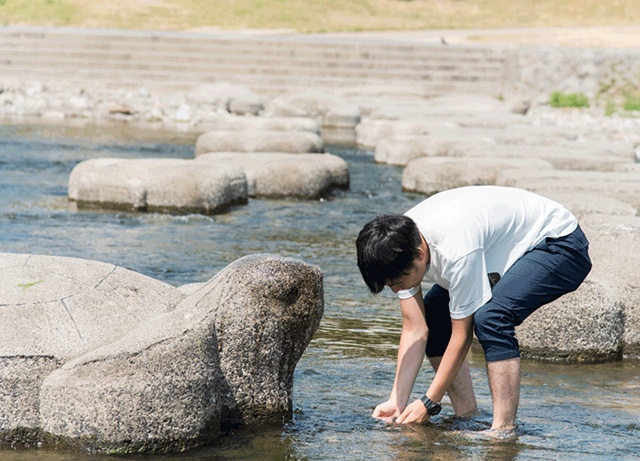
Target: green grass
24,286
315,16
37,12
631,103
570,100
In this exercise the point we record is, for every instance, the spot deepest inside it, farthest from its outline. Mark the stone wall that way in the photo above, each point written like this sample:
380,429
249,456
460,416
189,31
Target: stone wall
601,74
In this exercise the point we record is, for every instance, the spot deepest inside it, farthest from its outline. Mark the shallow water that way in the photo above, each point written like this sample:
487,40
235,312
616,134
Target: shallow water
588,412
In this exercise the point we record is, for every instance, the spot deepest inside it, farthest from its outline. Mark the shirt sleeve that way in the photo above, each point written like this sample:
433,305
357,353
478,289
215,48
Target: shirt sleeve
469,287
409,293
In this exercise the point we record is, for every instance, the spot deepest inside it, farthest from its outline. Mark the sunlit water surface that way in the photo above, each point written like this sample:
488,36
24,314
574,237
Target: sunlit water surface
567,412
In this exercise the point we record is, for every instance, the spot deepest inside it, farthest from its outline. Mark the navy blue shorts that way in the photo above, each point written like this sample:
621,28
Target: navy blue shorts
551,269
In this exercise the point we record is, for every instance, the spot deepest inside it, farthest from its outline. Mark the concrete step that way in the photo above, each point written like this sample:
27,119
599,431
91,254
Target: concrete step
282,46
315,78
267,86
422,62
172,60
230,69
154,56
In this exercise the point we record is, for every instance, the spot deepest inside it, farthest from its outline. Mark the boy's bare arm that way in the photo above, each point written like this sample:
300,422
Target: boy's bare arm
459,344
411,350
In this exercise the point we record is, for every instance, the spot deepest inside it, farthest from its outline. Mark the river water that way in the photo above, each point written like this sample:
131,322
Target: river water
568,412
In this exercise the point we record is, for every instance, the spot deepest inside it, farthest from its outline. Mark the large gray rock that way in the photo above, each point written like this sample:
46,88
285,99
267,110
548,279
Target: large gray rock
585,326
173,185
263,329
330,110
230,97
226,355
278,175
295,142
54,308
430,175
615,252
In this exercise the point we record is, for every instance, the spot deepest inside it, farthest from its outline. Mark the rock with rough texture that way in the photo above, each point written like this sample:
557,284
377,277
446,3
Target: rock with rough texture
262,331
231,97
225,355
295,142
236,123
173,185
55,308
278,175
430,175
615,252
585,326
330,110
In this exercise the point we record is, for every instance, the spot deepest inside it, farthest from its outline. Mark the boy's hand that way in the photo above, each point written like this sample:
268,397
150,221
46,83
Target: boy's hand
414,413
386,411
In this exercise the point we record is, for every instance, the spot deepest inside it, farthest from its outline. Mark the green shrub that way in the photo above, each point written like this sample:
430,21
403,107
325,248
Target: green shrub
560,99
631,103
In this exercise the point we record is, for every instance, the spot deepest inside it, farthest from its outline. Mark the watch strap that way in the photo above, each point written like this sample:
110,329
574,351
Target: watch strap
433,408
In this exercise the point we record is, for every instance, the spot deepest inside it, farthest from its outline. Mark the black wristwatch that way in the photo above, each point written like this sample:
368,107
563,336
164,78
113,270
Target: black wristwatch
433,408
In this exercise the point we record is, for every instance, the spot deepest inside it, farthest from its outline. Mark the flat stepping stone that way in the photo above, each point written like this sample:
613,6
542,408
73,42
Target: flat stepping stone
239,123
279,175
295,142
163,185
430,175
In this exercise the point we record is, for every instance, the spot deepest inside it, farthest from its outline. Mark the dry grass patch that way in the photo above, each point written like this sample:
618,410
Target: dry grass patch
327,15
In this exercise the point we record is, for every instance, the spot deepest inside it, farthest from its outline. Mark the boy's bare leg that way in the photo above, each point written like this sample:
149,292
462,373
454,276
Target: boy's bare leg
461,391
504,382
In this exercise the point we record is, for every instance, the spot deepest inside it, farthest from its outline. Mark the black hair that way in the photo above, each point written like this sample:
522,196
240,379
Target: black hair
387,247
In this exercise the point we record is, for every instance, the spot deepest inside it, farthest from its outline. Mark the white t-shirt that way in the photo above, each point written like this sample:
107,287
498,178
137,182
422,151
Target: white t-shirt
476,230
